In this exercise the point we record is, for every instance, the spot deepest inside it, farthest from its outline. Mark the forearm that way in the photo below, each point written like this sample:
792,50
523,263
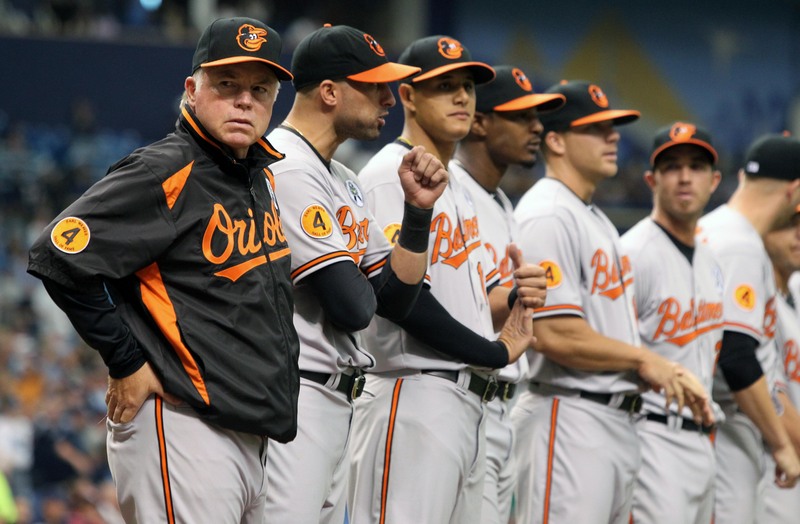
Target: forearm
498,303
571,342
790,419
410,254
99,323
755,402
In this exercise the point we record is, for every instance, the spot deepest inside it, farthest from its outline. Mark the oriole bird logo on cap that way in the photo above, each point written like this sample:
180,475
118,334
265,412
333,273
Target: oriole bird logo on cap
374,45
598,97
681,132
251,38
521,79
450,48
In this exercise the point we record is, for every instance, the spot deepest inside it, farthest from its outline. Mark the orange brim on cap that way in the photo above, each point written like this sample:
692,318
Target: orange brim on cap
457,65
619,116
693,141
543,102
281,72
388,72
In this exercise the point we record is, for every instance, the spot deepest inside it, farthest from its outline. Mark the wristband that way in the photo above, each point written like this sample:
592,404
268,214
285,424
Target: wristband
512,297
415,229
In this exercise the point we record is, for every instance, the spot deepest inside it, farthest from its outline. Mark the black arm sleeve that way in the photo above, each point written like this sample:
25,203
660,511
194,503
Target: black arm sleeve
96,320
344,293
737,360
395,298
431,323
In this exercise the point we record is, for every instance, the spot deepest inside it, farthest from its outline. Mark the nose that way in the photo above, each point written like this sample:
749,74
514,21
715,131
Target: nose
387,97
536,126
462,95
244,99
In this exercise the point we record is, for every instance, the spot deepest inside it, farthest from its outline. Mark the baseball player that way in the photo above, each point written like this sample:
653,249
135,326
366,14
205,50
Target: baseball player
418,439
679,307
506,131
175,268
783,246
584,392
765,199
343,267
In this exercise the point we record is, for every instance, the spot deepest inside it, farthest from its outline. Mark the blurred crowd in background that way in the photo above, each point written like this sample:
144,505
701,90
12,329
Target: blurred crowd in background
52,386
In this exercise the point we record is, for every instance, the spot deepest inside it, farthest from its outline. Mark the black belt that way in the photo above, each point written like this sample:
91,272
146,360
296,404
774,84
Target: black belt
506,390
688,424
351,385
486,389
630,403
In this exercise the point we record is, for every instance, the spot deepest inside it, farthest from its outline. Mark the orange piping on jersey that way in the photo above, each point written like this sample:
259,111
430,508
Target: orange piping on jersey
197,129
162,452
630,519
357,255
492,274
688,337
319,260
263,143
233,273
158,304
376,266
745,327
550,455
174,184
387,461
545,309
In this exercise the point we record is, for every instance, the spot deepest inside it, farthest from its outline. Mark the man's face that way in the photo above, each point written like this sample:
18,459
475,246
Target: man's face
783,246
363,108
513,137
445,105
234,102
592,150
682,181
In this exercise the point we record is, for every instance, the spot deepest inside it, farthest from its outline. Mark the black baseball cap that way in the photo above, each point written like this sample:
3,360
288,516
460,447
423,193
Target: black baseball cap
235,40
338,52
774,156
436,55
679,133
586,104
511,90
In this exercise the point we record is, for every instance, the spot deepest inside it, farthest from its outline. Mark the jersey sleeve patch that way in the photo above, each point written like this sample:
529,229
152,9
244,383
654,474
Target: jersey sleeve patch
745,297
552,273
316,221
71,235
392,233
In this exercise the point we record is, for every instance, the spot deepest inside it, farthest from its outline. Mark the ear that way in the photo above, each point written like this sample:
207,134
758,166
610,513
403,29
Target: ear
329,92
555,142
406,94
190,86
650,179
479,124
717,179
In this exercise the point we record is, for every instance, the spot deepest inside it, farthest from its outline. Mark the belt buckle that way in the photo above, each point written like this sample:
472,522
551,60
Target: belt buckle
636,405
358,386
491,390
506,394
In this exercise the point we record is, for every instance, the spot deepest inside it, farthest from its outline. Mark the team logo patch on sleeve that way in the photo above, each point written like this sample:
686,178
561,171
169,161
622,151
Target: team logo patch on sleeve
552,273
392,233
316,221
71,235
355,193
745,297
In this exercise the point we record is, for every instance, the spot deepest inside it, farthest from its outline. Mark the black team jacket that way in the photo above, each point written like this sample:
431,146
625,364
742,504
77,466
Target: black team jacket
177,257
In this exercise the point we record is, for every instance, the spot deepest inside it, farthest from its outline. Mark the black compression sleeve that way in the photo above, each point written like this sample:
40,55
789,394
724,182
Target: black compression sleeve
96,320
415,229
432,324
344,293
737,360
395,298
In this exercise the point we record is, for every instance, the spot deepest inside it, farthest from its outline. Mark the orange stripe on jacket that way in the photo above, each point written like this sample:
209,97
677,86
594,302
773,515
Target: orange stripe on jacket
162,453
174,184
387,460
157,302
550,457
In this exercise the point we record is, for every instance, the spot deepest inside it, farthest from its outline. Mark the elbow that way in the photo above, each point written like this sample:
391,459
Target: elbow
354,318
